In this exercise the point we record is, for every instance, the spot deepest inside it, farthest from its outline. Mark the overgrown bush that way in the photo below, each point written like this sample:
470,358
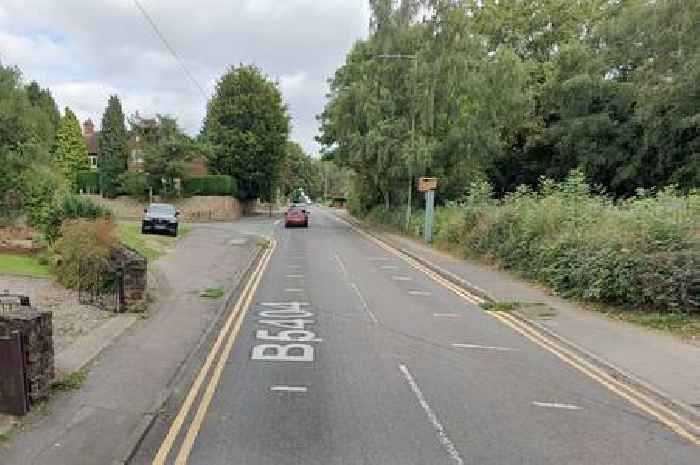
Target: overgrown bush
642,252
209,185
83,252
40,186
68,207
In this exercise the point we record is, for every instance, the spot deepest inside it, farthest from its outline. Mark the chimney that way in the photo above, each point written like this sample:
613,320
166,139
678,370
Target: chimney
88,127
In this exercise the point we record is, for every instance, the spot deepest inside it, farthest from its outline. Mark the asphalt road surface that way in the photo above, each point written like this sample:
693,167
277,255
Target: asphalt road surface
348,355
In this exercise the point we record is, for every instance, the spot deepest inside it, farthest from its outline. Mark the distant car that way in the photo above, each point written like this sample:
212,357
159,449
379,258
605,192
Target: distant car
296,216
160,217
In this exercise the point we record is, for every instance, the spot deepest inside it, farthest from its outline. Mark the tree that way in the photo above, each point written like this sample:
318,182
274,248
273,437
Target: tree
300,171
166,150
113,147
247,126
70,153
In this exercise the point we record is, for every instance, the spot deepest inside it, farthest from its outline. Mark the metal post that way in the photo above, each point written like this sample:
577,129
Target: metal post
429,209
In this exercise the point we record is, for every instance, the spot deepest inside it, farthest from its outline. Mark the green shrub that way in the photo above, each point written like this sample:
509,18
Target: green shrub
134,184
67,207
40,186
209,185
88,182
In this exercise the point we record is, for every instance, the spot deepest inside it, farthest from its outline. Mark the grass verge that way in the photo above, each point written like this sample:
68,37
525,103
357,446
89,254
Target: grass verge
23,265
69,382
684,325
151,246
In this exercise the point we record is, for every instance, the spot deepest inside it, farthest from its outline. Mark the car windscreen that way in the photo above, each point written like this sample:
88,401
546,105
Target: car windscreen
161,210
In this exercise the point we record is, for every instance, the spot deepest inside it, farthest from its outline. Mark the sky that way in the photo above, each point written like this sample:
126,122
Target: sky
85,51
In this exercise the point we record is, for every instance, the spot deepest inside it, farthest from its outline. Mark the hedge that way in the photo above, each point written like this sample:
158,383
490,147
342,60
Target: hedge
209,185
88,182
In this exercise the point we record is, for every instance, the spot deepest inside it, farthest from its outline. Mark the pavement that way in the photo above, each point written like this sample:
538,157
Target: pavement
340,351
129,381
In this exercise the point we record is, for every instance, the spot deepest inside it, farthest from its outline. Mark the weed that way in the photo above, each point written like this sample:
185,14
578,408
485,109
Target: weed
69,382
212,293
500,306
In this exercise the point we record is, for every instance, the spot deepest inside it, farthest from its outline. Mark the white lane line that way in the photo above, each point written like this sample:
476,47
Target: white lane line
289,388
388,267
555,405
423,293
379,259
447,315
293,266
476,346
442,435
341,264
293,289
294,276
401,278
277,222
371,314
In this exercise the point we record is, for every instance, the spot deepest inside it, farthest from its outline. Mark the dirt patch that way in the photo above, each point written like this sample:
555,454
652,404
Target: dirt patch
70,318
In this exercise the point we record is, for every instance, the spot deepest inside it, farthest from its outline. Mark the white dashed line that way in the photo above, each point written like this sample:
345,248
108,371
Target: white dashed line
442,435
364,303
292,289
446,315
294,276
555,405
289,388
476,346
388,267
294,266
277,222
421,293
340,264
401,278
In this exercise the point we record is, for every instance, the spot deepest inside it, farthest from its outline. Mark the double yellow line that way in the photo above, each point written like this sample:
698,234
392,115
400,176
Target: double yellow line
221,348
681,426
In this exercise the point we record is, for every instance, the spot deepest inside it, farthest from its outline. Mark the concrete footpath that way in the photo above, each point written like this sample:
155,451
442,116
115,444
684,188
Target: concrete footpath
666,365
127,384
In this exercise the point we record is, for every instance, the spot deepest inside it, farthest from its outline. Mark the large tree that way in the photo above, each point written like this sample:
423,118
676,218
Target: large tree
113,147
166,150
70,153
300,171
247,126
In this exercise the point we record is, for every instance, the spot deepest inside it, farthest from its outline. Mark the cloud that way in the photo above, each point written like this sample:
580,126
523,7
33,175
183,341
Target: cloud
85,50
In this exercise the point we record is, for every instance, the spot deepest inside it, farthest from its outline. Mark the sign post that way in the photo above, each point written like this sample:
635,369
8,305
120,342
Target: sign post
428,186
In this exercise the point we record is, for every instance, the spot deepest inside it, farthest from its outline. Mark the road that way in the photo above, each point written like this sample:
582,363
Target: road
390,367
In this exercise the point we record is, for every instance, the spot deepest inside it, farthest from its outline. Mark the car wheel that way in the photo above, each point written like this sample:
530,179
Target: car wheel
306,223
144,230
173,233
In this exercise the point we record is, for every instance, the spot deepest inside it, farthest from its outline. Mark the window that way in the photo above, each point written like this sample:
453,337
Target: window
93,161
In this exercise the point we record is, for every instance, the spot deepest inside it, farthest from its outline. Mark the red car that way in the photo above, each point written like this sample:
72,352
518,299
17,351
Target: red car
296,216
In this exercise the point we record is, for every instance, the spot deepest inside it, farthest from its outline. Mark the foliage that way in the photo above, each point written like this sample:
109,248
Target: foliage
69,382
70,153
166,150
113,147
150,246
300,171
212,293
134,184
507,92
23,265
247,125
69,207
640,252
214,184
88,181
84,251
40,186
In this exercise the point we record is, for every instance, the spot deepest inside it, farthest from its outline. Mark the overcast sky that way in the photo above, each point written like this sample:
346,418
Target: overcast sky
87,50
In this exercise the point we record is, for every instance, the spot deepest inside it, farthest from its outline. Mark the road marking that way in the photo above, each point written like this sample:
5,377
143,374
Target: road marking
378,259
401,278
293,266
636,398
293,289
476,346
196,425
447,315
288,388
294,276
388,267
277,222
340,264
235,317
421,293
442,435
364,303
555,405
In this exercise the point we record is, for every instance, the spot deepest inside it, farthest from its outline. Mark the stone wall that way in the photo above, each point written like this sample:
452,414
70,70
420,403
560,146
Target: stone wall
193,209
37,333
135,270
